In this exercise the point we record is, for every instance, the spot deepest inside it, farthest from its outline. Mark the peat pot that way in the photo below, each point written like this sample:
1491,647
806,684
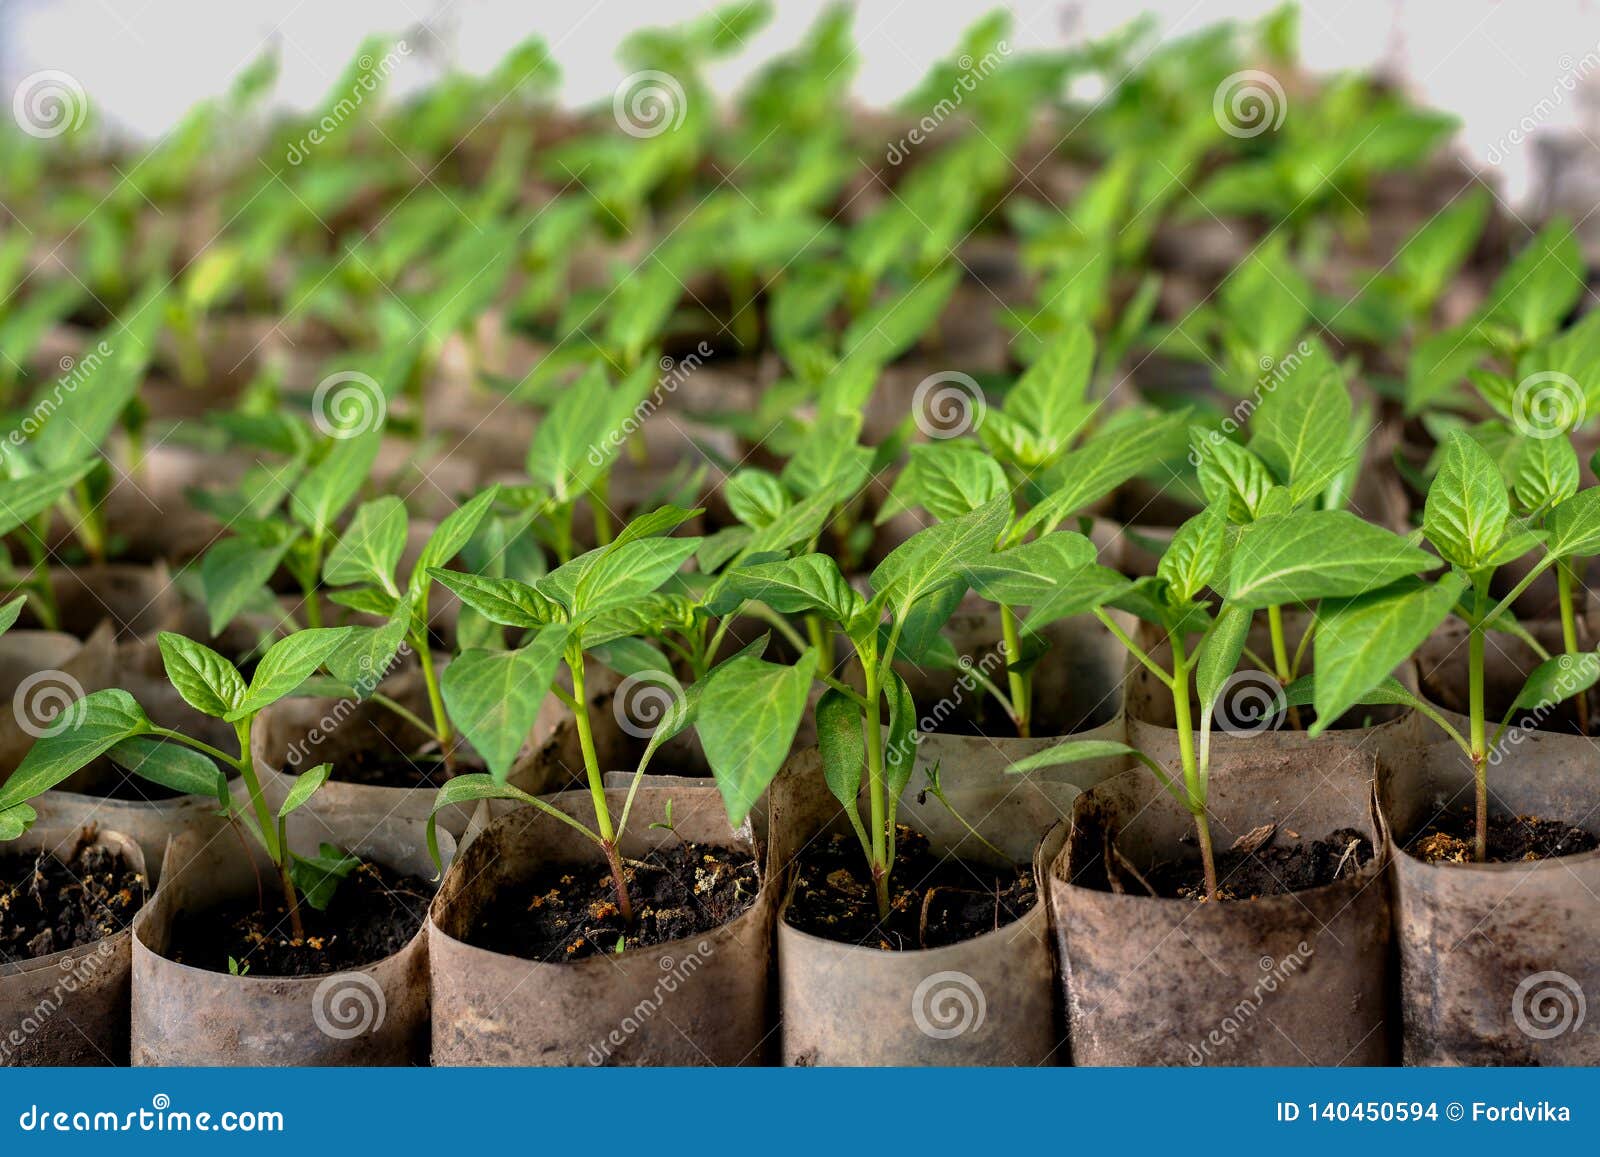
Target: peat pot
989,1000
701,1000
1297,979
373,1015
69,1007
1498,962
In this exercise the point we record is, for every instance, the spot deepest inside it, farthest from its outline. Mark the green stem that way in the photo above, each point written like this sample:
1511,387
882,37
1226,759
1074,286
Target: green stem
1566,578
876,795
1479,752
1016,681
1194,788
1135,650
597,789
442,728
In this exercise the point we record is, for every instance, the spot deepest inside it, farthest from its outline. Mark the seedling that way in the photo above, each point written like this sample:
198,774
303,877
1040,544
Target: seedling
111,723
747,711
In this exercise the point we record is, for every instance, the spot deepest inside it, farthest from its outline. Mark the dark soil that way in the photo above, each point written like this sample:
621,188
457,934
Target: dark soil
1277,868
569,911
383,766
48,906
375,913
1512,839
934,900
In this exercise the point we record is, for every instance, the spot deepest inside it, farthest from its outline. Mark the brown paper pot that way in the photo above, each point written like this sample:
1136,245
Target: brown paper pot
985,1001
40,673
1497,961
295,735
150,823
70,1007
696,1001
374,1015
139,601
1281,980
1245,722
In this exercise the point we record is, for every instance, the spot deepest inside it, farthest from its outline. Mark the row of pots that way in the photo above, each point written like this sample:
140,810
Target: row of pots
1488,954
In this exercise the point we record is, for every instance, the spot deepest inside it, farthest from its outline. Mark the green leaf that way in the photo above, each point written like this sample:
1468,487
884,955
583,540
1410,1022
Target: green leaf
1467,507
16,820
317,877
1541,284
1301,427
622,573
364,658
1312,554
1083,590
843,746
453,533
810,582
947,479
1102,464
327,488
10,611
1030,574
1049,397
1573,528
468,789
1430,258
1558,679
1546,473
208,682
172,765
900,752
748,715
371,545
1073,751
935,557
285,666
87,730
1191,561
24,498
1360,641
494,697
305,786
1232,476
755,497
1219,654
233,573
505,601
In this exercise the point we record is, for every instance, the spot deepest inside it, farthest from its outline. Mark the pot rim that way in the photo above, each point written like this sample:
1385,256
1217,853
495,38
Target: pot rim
129,848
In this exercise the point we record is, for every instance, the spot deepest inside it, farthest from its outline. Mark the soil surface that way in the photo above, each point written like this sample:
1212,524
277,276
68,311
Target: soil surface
1512,839
375,913
934,900
48,906
569,911
1276,868
382,766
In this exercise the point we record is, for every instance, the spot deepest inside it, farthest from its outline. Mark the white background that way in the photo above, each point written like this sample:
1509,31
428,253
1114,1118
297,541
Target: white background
1499,66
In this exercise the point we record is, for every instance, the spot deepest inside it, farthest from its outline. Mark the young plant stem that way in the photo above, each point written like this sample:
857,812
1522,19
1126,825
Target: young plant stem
1017,682
442,728
877,813
597,790
1194,789
273,834
1566,578
1282,669
1478,752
